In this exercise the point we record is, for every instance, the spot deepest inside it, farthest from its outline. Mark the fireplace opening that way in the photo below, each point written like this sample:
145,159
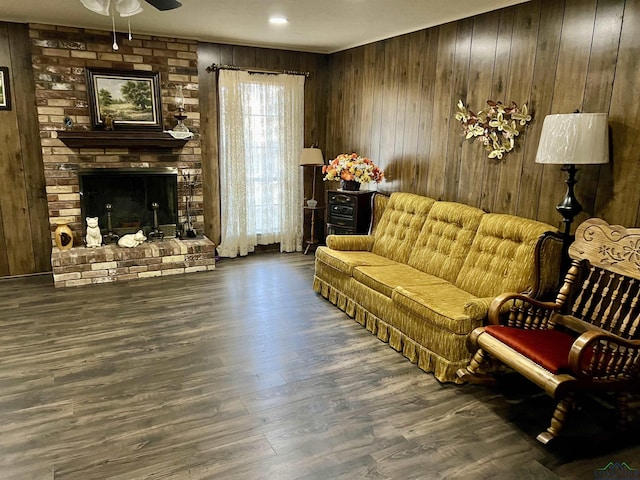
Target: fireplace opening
129,194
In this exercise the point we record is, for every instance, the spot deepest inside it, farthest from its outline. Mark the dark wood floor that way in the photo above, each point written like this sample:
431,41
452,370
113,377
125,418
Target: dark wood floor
244,373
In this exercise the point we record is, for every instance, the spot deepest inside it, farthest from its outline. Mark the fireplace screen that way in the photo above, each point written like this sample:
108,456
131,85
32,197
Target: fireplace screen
129,194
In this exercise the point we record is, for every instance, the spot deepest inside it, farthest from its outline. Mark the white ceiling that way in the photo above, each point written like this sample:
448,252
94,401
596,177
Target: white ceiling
321,26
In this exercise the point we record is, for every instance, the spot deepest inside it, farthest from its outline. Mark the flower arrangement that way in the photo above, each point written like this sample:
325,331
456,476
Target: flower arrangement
352,167
496,126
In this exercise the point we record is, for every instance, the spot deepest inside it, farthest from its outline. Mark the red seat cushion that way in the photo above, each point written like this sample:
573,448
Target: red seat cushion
548,348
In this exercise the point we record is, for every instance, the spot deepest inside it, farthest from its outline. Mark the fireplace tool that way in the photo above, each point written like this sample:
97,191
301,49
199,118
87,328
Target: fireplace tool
111,237
188,226
156,232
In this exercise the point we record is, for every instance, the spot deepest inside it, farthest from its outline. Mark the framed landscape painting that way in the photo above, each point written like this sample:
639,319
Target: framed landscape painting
124,100
5,93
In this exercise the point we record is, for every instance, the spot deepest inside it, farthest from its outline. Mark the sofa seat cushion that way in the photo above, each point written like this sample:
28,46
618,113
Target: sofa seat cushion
442,305
385,278
345,261
548,348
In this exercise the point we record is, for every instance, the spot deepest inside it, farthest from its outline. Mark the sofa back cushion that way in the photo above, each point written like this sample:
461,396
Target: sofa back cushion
445,239
503,256
400,225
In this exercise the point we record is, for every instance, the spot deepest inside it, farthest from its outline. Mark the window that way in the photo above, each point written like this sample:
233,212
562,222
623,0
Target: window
261,137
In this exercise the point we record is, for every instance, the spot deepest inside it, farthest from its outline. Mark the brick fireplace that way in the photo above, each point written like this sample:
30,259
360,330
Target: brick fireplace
60,56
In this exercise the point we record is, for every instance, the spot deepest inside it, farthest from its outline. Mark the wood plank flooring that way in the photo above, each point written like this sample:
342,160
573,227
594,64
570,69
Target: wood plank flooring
245,373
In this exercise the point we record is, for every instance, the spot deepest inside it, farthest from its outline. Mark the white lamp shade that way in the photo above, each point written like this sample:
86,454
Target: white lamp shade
98,6
127,8
311,156
574,139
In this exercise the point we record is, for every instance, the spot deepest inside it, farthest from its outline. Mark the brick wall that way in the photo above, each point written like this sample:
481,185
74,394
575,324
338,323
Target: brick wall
60,56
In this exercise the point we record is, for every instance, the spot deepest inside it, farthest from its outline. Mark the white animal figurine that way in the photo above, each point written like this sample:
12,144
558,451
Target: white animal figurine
131,240
94,237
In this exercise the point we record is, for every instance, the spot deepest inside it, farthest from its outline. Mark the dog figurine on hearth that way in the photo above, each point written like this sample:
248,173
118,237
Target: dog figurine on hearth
94,237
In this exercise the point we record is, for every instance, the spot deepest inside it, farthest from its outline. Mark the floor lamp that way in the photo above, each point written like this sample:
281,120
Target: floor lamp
569,140
312,157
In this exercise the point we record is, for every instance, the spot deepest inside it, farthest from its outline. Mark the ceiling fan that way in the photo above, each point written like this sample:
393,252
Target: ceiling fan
127,8
164,4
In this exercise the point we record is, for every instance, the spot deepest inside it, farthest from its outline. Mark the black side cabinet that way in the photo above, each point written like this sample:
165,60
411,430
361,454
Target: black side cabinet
348,212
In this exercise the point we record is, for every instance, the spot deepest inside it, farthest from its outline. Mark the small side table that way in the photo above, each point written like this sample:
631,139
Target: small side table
312,241
349,212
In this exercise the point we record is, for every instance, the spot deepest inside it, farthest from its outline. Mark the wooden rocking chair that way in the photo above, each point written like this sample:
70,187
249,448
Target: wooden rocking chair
587,340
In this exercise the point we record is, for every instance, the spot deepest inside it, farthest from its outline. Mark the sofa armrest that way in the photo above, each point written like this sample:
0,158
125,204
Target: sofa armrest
478,308
483,308
350,242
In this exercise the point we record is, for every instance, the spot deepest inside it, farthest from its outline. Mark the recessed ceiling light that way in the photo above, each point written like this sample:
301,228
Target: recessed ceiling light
278,20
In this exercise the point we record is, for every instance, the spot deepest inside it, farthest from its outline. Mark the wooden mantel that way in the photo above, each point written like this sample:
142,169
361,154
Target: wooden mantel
119,138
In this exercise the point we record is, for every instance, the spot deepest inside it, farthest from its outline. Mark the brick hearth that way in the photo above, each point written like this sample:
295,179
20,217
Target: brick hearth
110,263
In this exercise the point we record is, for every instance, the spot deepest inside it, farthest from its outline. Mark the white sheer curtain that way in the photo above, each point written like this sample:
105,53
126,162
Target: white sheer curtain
261,137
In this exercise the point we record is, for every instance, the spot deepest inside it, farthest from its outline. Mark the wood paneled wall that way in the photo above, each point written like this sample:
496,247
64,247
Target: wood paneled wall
395,101
25,246
251,57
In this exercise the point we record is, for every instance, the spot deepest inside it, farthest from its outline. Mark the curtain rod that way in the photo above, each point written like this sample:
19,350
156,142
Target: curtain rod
215,68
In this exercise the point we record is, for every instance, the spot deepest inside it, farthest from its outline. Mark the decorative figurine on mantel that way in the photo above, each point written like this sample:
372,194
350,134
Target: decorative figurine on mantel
132,239
180,130
107,121
180,116
94,237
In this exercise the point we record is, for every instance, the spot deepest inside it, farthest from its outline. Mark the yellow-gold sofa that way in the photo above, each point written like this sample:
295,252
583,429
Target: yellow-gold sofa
424,277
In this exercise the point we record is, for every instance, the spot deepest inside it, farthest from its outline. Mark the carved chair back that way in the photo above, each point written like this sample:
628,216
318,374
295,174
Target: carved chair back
606,270
601,290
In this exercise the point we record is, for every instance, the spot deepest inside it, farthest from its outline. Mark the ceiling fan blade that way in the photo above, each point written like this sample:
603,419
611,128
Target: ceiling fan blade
164,4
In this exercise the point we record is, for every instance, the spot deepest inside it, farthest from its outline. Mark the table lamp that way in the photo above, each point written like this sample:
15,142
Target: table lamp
569,140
